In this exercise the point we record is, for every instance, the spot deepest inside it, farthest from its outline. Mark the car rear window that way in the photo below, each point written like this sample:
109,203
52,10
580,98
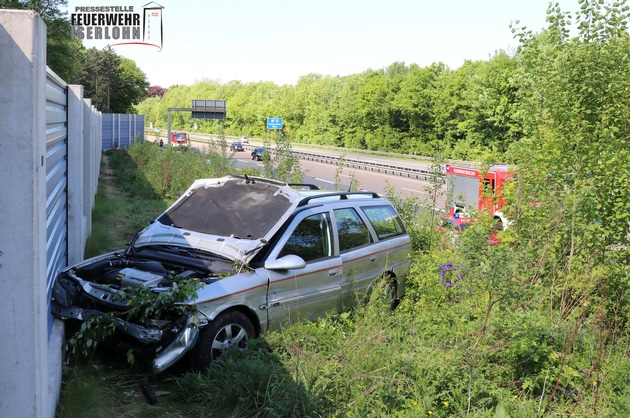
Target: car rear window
385,221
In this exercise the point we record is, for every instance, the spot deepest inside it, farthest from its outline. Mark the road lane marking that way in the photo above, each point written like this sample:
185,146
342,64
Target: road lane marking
322,180
415,191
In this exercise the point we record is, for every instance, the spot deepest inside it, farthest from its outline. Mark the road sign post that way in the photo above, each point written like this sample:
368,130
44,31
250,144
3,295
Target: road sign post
201,109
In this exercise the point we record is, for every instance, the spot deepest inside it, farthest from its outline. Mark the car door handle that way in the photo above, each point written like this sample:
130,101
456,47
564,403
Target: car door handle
268,305
373,259
333,272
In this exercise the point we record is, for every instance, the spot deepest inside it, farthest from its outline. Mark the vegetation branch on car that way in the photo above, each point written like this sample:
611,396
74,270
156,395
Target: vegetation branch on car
144,304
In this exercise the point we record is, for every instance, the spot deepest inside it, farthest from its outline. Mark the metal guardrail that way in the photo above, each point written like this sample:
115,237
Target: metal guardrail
378,167
349,162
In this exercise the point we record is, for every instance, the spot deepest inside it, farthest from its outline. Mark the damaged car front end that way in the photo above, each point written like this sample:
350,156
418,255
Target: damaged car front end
147,294
98,289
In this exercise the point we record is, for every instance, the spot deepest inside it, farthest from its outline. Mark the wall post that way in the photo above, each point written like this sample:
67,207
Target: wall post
23,351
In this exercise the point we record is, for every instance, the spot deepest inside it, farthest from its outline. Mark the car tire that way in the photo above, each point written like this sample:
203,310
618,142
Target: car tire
390,291
231,329
386,289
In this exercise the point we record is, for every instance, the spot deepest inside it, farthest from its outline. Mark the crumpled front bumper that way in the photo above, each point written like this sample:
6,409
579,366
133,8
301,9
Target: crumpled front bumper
166,355
184,341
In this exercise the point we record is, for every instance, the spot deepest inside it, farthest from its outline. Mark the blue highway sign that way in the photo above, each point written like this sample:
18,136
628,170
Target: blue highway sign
274,123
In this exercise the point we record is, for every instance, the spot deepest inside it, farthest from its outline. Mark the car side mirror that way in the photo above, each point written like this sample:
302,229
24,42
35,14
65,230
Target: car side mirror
288,262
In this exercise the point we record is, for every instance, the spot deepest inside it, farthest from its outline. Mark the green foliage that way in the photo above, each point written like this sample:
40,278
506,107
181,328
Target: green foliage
469,112
114,83
417,216
62,51
283,165
573,178
167,173
143,306
253,383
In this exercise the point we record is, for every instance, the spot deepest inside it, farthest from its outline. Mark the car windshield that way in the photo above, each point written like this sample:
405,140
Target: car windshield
235,209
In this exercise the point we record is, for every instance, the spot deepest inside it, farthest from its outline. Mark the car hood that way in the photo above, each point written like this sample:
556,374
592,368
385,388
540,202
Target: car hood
232,216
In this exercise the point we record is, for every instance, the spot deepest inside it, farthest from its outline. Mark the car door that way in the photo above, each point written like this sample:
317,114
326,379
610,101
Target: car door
307,293
362,257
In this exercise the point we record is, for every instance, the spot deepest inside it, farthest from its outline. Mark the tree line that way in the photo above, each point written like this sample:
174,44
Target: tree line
114,83
464,112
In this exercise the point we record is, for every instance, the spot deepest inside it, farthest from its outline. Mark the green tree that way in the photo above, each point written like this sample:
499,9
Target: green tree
345,117
572,203
115,84
130,88
62,52
373,106
98,76
492,102
414,102
313,96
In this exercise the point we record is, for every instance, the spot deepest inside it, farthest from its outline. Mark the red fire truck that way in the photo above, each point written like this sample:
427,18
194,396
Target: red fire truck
471,191
179,138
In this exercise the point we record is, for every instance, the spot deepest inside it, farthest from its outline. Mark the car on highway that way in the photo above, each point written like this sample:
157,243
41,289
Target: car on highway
257,153
236,146
244,140
255,255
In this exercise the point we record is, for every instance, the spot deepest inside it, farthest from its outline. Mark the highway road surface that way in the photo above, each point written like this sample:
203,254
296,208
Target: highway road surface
323,176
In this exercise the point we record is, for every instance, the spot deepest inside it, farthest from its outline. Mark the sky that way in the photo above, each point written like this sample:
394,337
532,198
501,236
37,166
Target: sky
282,40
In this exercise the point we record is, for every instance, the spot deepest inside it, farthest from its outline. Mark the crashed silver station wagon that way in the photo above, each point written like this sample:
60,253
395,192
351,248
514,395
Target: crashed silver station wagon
264,253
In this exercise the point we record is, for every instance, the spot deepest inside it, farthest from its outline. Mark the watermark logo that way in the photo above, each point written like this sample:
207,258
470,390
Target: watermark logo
119,25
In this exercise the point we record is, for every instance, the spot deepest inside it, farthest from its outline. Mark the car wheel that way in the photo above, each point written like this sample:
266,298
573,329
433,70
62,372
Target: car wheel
385,289
390,291
231,329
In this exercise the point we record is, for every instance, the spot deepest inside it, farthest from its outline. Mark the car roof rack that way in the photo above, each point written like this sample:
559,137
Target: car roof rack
340,195
304,185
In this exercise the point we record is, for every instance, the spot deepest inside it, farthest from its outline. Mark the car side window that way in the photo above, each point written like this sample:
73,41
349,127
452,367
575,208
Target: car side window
311,239
385,221
351,229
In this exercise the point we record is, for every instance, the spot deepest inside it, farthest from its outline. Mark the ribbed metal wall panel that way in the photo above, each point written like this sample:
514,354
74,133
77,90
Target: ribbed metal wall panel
123,131
138,132
56,179
108,131
120,130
